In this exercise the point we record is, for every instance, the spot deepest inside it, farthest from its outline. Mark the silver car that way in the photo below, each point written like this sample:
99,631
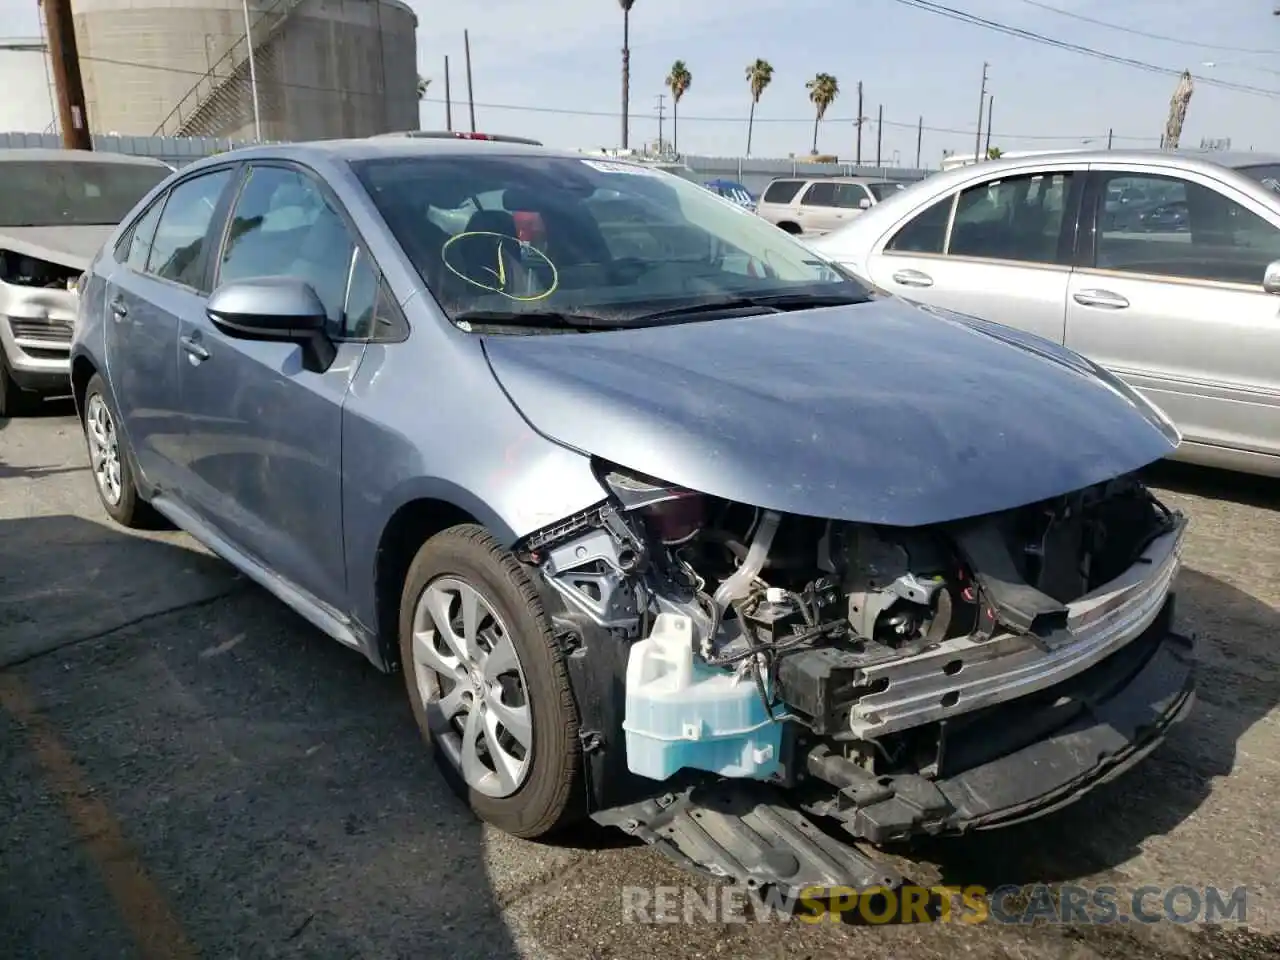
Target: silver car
56,209
1163,267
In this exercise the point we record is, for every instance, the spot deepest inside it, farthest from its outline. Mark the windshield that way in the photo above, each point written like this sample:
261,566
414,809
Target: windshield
882,190
1267,174
601,240
72,193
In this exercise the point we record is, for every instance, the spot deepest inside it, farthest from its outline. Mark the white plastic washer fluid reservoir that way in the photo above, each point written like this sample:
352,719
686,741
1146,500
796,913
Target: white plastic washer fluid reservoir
682,713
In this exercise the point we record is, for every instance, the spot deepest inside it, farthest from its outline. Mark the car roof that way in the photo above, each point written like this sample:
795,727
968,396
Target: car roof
46,155
1206,161
390,148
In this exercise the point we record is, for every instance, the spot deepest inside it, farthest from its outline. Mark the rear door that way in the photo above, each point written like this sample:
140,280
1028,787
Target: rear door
1168,295
155,280
817,208
999,249
265,435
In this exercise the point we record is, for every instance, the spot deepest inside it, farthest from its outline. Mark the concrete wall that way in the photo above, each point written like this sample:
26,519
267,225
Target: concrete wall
337,68
342,68
139,57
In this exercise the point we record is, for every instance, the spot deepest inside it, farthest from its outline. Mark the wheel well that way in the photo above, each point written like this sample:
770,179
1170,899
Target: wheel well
789,227
408,529
82,371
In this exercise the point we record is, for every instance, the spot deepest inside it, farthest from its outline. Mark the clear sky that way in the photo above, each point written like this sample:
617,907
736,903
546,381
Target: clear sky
565,54
551,69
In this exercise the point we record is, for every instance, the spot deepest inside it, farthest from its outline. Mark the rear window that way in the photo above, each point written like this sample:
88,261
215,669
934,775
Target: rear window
72,193
782,191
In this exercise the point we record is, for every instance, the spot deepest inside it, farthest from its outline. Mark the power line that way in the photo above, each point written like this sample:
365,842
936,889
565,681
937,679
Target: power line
963,16
613,115
1181,41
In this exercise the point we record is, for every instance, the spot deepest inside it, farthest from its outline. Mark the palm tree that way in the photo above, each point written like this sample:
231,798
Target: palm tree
759,76
823,90
626,65
678,81
423,84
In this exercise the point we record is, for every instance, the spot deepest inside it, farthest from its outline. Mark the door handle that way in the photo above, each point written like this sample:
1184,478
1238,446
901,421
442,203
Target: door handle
1100,298
118,309
196,352
913,278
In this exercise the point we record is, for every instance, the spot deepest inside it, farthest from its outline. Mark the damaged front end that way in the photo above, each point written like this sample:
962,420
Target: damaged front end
740,670
38,301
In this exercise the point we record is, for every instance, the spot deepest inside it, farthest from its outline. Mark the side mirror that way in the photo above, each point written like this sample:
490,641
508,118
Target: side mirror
864,204
281,309
1271,279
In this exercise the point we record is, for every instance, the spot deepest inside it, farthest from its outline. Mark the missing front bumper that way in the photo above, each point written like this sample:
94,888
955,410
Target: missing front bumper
1087,731
1027,758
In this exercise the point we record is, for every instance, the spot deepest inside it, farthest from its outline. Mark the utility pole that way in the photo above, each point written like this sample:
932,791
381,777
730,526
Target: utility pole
1109,132
991,102
448,99
65,58
626,70
879,131
858,158
471,98
662,107
919,138
982,103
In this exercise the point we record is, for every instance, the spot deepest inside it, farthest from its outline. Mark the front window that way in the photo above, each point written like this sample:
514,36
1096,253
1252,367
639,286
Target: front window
1183,229
605,243
1267,174
72,193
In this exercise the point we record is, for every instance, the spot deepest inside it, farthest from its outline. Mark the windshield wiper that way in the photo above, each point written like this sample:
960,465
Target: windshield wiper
534,318
777,303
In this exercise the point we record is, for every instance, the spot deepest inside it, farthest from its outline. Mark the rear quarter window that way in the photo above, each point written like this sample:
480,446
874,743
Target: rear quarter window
782,191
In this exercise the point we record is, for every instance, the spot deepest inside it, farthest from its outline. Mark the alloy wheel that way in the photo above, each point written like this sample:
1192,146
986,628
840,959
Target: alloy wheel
104,449
472,687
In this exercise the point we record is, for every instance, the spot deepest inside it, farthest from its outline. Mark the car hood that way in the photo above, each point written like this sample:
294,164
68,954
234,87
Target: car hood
69,246
880,413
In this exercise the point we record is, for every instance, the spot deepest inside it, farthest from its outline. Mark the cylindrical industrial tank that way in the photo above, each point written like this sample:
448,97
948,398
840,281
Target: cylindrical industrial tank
325,68
27,105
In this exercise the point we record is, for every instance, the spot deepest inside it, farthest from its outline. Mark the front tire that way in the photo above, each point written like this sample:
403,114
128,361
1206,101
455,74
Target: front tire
111,464
488,684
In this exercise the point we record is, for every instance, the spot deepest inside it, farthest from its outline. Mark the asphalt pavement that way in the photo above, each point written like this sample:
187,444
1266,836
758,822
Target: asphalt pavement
188,769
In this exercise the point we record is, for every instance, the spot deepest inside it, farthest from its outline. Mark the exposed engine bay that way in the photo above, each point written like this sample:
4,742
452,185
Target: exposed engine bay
22,270
854,664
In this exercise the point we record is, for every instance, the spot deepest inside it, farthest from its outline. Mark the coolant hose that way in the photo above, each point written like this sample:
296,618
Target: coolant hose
738,584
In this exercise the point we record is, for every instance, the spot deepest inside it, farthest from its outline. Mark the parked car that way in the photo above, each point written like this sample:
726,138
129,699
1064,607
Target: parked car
1163,267
56,208
694,544
817,205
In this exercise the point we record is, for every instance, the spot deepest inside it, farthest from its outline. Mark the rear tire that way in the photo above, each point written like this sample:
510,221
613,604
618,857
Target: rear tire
493,662
111,462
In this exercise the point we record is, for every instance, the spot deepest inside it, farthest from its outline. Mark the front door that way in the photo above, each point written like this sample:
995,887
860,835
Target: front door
265,435
999,250
155,280
1170,298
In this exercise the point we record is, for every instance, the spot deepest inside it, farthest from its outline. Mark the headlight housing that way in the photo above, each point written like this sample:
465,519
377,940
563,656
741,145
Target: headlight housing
672,514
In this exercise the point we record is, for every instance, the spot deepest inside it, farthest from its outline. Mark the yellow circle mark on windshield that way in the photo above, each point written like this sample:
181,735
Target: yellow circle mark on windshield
497,279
